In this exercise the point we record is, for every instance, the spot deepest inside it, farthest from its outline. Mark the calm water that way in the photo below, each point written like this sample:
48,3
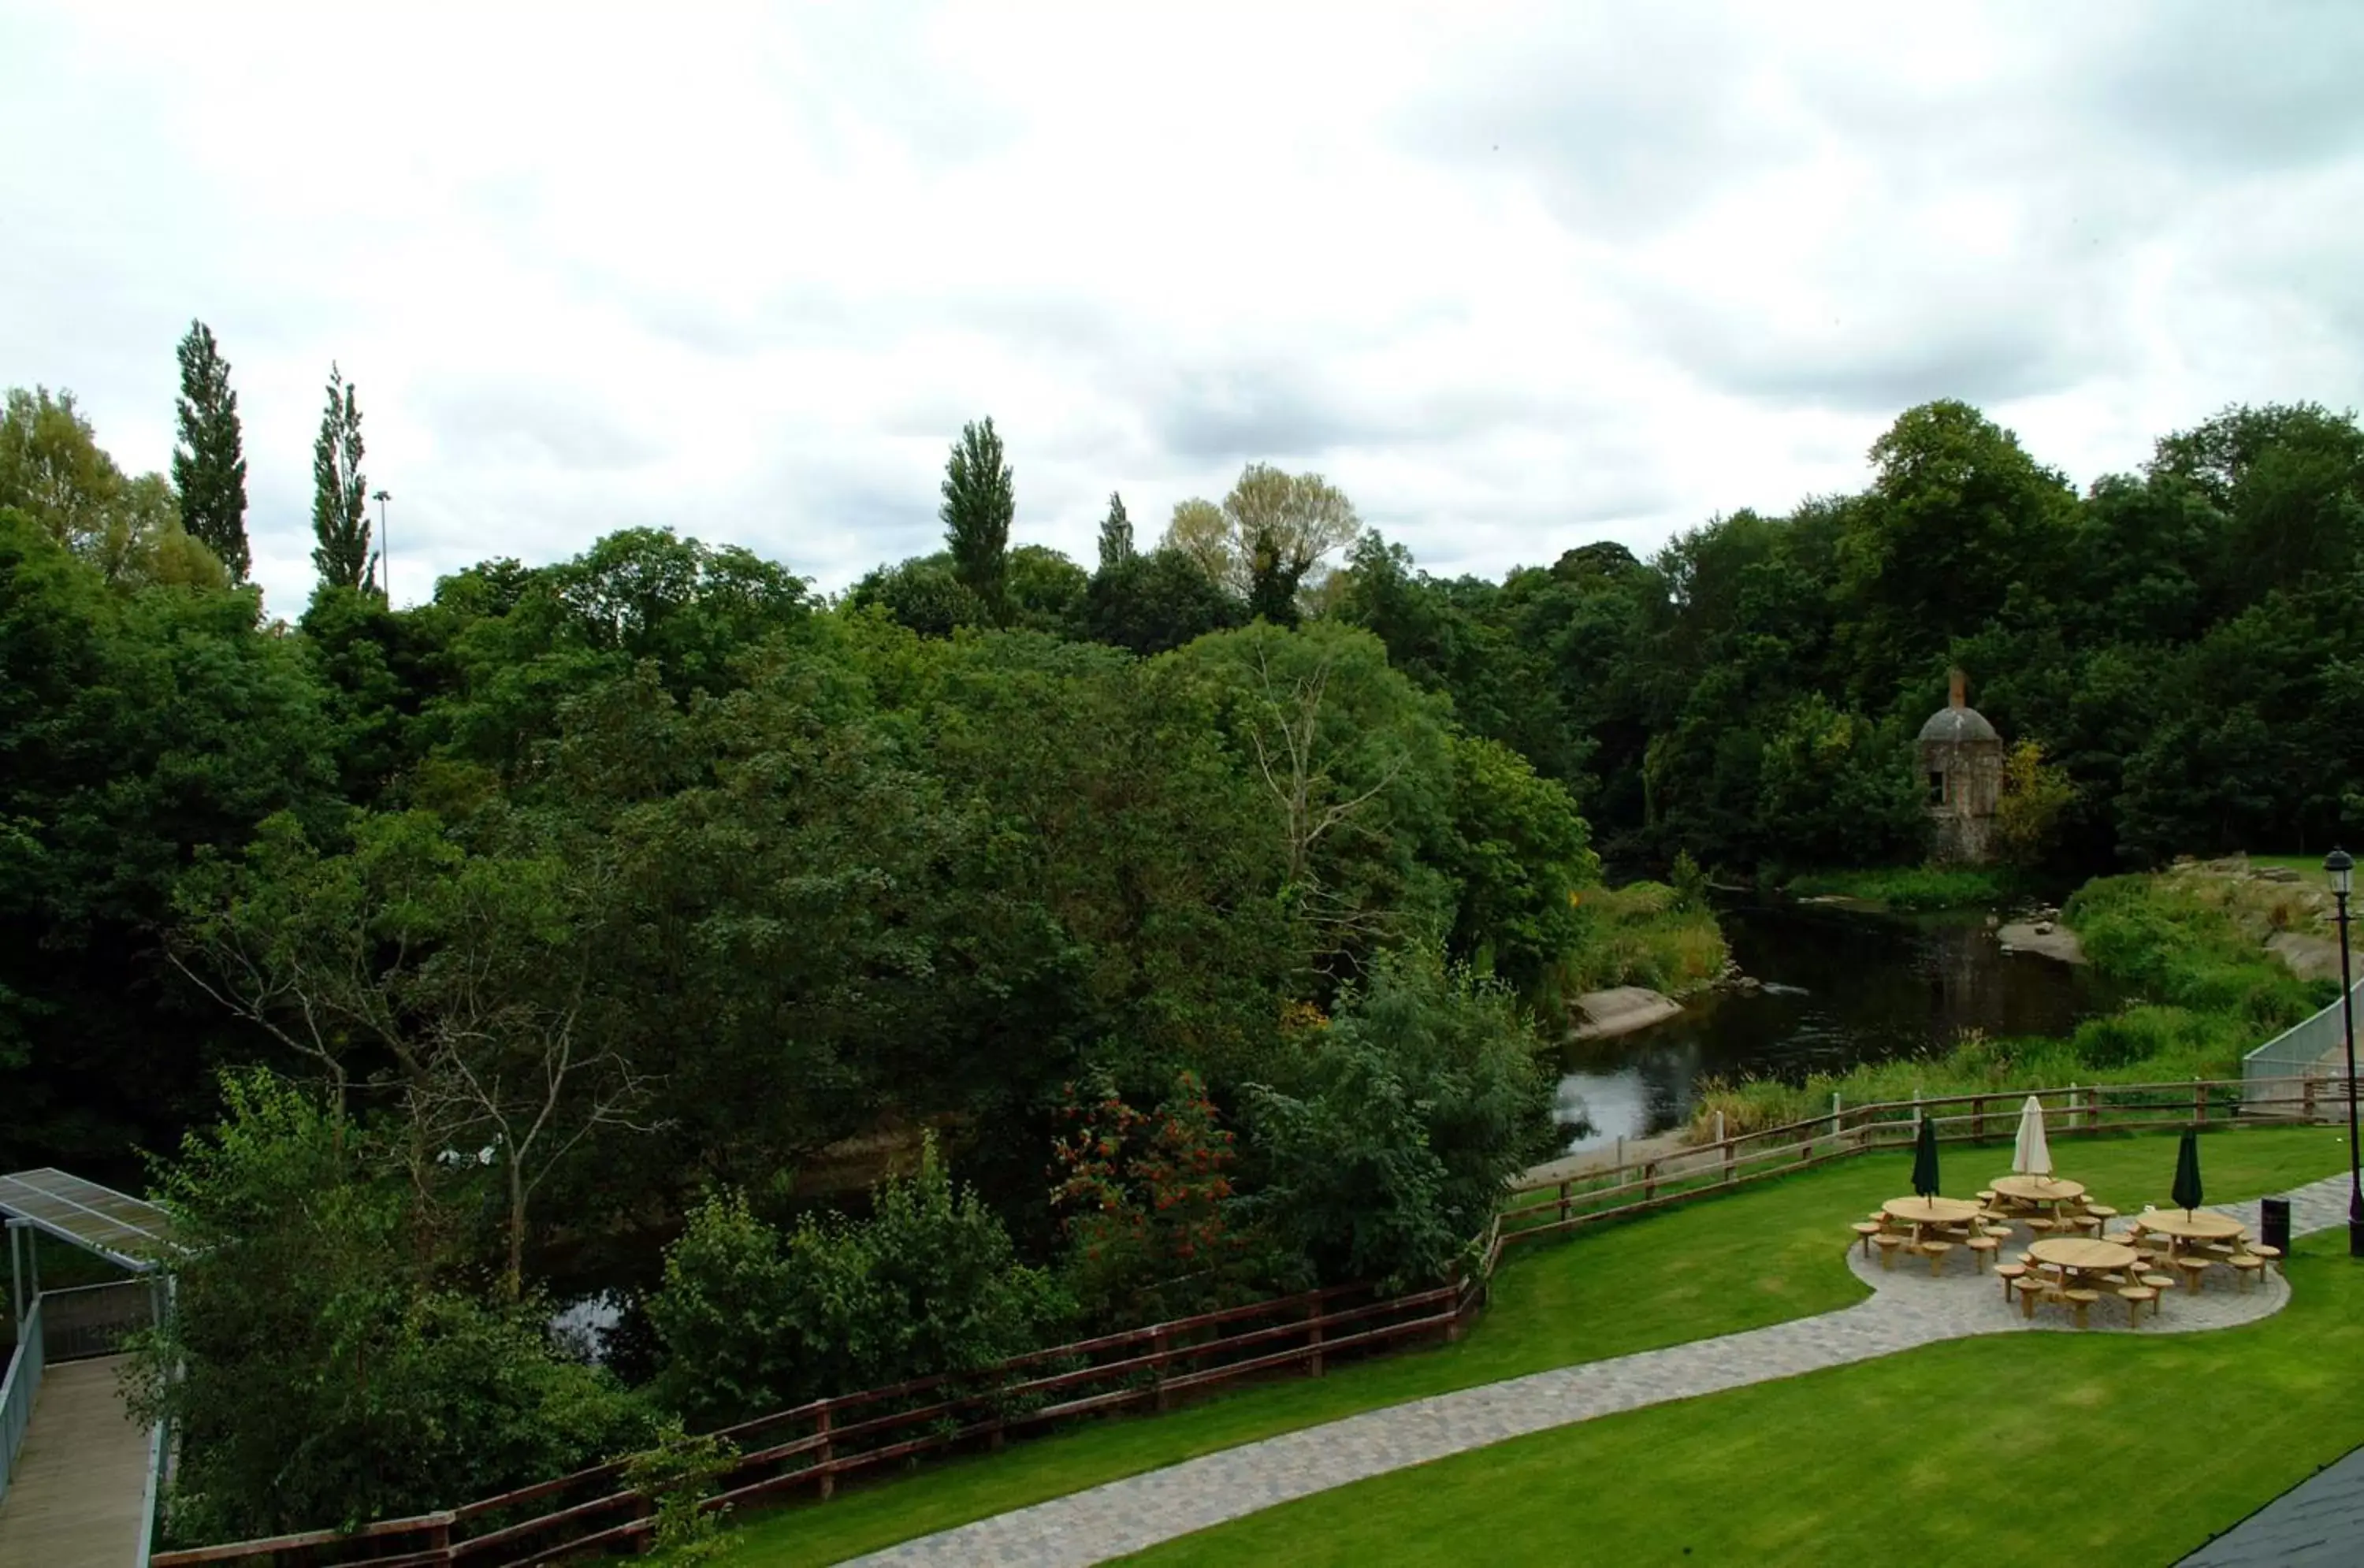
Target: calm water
1840,988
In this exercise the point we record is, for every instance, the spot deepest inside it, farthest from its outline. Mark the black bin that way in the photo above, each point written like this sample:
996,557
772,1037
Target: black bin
2274,1221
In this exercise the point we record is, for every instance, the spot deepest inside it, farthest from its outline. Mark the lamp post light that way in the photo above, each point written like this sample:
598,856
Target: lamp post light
384,556
2341,866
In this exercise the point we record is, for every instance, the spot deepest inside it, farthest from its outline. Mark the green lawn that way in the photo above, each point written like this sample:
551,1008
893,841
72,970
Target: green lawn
2054,1448
1762,1255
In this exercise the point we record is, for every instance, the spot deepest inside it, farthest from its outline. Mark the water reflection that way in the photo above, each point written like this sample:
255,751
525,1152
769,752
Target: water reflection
1840,988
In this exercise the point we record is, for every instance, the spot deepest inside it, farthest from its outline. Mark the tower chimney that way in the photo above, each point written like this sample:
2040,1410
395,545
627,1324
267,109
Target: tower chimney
1957,687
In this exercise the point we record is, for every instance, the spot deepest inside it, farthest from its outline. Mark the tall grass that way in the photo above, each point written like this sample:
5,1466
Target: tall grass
1909,889
1643,934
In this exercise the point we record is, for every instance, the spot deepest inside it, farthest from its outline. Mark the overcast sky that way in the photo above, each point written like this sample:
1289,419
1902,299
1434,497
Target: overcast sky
1515,277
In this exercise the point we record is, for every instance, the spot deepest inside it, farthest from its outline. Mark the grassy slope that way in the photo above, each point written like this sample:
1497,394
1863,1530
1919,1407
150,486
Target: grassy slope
1763,1255
2059,1447
1909,887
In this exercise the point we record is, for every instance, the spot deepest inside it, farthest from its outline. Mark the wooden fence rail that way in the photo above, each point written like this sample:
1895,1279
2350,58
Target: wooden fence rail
813,1446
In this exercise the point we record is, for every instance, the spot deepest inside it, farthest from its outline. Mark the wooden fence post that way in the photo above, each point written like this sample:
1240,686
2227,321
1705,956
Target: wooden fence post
439,1539
2198,1102
1731,1151
1838,1118
1158,1342
823,1454
1313,1338
1979,1120
2306,1096
2094,1107
1563,1202
1649,1181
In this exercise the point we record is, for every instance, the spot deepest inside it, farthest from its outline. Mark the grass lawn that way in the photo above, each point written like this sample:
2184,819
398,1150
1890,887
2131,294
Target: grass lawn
1764,1255
2059,1448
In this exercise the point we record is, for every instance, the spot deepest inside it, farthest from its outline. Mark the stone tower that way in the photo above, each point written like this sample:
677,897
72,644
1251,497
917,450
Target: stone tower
1960,761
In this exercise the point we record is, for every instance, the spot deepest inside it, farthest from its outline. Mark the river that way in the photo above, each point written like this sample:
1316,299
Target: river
1840,986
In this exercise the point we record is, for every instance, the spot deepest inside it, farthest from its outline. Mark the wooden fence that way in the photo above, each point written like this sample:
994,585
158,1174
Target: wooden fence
808,1449
1539,1208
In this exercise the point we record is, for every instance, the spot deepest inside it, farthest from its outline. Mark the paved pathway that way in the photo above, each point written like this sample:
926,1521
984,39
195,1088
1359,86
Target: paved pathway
1907,1309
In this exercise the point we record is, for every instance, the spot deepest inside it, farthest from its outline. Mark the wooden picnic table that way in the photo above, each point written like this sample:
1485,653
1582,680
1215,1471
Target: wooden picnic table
2081,1255
2038,1189
1919,1211
2194,1225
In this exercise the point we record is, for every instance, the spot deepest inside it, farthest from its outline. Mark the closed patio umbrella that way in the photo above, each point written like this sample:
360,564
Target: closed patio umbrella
1924,1160
2030,1155
2187,1172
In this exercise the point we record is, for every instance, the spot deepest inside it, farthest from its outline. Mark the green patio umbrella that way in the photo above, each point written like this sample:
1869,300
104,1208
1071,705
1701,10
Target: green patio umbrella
1924,1160
2187,1172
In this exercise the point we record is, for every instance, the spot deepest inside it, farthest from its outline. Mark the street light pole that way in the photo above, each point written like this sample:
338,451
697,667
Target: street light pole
384,556
2342,867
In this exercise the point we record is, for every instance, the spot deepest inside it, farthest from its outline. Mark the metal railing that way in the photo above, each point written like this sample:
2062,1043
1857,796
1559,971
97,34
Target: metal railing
18,1389
2295,1052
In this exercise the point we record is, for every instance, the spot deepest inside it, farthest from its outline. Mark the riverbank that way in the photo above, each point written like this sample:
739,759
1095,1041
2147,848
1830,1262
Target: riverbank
2189,949
1646,935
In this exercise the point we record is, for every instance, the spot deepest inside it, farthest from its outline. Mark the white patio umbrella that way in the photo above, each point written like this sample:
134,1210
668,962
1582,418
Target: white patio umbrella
2029,1154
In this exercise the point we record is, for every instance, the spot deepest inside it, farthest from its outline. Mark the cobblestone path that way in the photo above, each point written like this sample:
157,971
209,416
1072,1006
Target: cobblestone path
1909,1308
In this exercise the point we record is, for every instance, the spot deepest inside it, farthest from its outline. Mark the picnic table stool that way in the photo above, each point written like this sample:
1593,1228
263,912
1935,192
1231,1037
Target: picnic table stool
2042,1224
2270,1255
1935,1252
2007,1272
2080,1299
1979,1247
2102,1212
1866,1229
2160,1284
1986,1194
2246,1265
2194,1271
2032,1289
2134,1295
1888,1241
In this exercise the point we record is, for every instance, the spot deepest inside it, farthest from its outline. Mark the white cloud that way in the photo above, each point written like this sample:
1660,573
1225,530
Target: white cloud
1514,276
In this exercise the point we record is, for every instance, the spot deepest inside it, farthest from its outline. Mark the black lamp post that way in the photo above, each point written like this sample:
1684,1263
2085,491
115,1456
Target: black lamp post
2342,868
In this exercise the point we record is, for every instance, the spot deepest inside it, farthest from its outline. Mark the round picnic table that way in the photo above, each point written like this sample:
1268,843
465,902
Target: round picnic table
2197,1225
1931,1210
2037,1189
2079,1255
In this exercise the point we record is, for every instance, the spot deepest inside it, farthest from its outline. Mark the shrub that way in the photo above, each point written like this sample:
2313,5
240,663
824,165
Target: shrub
752,1321
1392,1145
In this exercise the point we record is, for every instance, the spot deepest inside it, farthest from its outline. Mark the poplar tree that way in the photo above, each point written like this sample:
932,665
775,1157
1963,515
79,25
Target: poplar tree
979,501
339,493
1116,535
209,462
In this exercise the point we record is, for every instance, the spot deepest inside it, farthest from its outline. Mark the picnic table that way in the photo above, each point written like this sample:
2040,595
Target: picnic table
2037,1192
2189,1225
2084,1265
1931,1211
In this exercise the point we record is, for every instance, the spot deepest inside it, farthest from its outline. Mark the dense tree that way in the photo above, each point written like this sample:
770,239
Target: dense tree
1155,602
53,472
1266,541
979,501
343,555
208,462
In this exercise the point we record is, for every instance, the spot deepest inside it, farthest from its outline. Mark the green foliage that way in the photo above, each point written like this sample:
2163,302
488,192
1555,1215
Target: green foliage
54,476
676,1477
1147,1208
754,1319
315,1373
208,464
979,502
924,594
343,555
1390,1145
1155,602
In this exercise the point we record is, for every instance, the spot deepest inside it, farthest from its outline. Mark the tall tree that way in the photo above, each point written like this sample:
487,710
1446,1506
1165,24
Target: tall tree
979,501
1116,535
209,464
1267,538
339,493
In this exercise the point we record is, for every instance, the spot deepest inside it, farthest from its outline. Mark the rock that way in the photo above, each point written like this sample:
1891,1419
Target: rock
2309,957
1622,1010
2041,936
1749,982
